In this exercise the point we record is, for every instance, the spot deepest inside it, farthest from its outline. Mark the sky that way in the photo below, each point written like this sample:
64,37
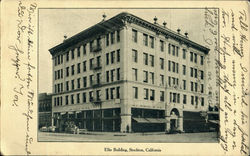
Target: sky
55,23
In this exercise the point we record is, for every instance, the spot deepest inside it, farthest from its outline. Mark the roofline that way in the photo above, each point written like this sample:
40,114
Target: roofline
132,18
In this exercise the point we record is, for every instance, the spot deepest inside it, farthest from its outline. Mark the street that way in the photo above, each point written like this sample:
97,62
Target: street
207,137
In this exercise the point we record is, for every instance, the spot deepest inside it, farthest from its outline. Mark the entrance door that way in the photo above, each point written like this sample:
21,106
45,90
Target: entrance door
173,124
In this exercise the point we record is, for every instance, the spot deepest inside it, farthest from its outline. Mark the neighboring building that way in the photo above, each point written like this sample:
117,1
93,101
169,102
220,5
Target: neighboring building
44,109
127,74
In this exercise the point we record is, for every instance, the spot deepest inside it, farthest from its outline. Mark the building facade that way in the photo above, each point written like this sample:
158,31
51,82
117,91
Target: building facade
127,74
44,109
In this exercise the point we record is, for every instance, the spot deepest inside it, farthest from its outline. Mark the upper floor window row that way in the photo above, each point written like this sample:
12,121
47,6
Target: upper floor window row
58,59
194,58
112,37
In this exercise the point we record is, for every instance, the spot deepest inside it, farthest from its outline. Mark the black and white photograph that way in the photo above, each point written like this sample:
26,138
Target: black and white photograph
127,75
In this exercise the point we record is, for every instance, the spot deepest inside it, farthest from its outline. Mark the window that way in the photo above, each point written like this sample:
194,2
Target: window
135,92
174,98
169,81
98,61
118,74
72,99
191,72
195,58
184,99
151,60
192,85
145,39
84,64
145,93
173,66
107,76
202,101
145,58
112,57
134,75
118,92
67,85
91,79
202,75
72,85
61,87
66,100
78,52
152,77
118,55
91,98
67,71
195,73
145,76
162,63
191,56
177,67
98,78
72,69
112,93
78,68
91,46
78,83
91,63
183,69
184,53
107,58
170,97
196,87
162,45
151,41
169,65
84,49
78,98
192,100
177,51
61,73
98,97
55,75
196,100
152,97
202,88
107,93
178,98
134,55
184,84
85,81
202,60
72,54
67,56
118,35
169,48
134,35
112,75
161,95
84,98
162,80
107,40
112,37
173,50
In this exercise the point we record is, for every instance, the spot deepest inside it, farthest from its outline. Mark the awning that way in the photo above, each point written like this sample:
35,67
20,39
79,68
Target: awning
214,121
150,120
141,120
62,113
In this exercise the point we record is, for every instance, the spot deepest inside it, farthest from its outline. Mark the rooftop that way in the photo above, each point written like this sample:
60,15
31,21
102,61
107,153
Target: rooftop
118,21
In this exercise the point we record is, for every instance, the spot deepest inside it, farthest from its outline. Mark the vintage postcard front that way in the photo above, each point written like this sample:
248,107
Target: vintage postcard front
124,78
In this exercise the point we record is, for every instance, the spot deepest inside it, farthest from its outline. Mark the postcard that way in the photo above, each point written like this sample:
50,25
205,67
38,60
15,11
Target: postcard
124,77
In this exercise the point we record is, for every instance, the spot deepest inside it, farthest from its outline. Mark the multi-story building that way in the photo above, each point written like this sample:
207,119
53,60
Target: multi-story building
44,109
127,74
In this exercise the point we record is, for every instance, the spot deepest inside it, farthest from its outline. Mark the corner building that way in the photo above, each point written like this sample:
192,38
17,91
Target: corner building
129,75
